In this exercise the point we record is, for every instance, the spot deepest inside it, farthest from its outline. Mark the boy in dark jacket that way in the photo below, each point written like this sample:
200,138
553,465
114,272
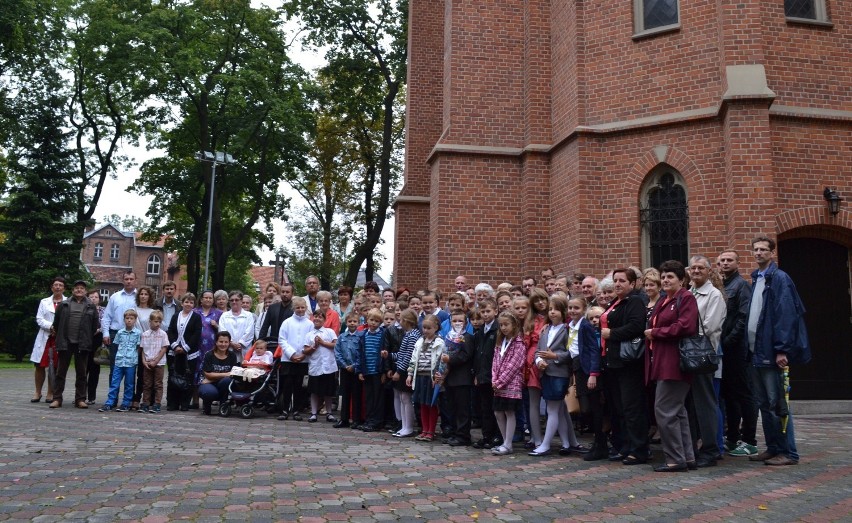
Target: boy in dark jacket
482,358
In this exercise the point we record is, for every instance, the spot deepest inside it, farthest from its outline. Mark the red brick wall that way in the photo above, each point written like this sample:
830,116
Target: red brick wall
497,215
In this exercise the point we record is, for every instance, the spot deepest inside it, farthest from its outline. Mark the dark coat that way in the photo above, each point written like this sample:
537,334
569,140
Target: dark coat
275,316
461,364
590,348
738,295
89,325
671,321
391,341
192,335
625,322
781,326
484,355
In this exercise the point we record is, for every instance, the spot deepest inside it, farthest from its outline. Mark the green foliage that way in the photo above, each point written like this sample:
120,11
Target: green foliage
223,68
41,238
363,89
128,223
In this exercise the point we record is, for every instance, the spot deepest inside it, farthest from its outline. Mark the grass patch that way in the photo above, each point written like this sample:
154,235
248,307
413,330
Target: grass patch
7,361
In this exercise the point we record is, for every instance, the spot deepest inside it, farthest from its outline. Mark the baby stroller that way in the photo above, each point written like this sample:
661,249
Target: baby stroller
246,395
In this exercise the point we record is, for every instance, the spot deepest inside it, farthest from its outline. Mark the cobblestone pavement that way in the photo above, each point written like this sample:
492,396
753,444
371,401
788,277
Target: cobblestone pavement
71,464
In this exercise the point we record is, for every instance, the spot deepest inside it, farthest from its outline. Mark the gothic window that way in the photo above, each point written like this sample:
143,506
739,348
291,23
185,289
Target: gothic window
113,252
664,218
153,264
806,10
99,250
655,15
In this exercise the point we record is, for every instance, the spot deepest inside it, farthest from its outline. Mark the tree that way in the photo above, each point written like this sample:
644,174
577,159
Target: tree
366,70
223,67
326,184
128,223
40,237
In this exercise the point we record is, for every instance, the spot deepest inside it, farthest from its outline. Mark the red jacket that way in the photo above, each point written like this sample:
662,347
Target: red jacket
669,324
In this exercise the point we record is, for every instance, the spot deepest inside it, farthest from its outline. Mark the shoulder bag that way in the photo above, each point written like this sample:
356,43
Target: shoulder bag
697,354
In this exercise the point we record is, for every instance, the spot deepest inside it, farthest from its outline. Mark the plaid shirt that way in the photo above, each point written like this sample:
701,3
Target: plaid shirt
153,342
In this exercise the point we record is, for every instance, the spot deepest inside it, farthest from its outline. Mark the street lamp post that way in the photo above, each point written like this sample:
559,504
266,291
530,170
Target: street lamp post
215,158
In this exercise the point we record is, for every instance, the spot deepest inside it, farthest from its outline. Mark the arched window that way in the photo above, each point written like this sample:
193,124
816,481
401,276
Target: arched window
113,251
664,216
153,264
99,250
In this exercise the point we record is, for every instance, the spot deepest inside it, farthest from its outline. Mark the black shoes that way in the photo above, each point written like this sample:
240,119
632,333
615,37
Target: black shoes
679,467
703,463
341,424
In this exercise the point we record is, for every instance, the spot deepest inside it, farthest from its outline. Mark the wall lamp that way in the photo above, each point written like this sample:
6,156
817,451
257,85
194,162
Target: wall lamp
833,200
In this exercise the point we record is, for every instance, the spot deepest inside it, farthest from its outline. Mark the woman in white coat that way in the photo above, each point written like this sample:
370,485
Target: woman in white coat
44,340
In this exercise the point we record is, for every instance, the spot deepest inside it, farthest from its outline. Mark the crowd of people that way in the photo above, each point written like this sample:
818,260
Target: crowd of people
499,359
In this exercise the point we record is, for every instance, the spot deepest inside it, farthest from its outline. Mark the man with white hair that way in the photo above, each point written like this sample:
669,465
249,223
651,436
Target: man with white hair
589,288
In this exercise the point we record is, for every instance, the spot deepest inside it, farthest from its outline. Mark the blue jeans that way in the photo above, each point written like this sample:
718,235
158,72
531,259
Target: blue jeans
214,391
720,435
128,374
768,393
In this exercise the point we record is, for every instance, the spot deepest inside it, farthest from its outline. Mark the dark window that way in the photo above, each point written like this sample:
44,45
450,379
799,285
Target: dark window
658,13
665,220
800,9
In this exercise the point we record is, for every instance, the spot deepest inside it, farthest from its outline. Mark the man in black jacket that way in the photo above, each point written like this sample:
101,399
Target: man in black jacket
740,408
76,324
277,313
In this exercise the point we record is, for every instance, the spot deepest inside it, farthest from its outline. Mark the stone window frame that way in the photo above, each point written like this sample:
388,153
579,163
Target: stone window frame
821,15
639,30
153,265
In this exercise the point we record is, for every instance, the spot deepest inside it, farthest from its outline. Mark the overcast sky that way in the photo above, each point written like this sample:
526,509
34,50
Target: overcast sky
116,199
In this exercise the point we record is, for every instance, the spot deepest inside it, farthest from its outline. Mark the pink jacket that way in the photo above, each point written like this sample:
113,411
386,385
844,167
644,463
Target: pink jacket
507,371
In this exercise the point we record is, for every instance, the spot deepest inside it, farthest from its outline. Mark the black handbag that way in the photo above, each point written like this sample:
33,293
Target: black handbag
631,350
697,354
178,381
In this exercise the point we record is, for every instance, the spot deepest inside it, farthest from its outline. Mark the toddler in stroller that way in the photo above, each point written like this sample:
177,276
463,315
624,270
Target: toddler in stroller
255,384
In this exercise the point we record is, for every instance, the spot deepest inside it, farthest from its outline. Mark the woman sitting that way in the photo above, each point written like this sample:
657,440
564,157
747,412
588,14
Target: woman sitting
217,367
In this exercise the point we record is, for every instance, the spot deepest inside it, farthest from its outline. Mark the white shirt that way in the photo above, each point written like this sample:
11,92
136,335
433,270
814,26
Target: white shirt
322,360
114,310
291,337
574,338
240,327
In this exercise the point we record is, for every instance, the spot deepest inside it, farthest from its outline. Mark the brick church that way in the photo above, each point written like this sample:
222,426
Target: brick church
588,134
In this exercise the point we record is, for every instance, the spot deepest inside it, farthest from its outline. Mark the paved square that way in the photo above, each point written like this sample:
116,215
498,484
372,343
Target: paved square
71,464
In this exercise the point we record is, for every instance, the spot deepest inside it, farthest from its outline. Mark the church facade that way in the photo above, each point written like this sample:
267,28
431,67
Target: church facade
588,134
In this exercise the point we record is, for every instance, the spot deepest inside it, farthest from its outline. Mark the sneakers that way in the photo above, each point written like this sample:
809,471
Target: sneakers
123,408
105,408
143,409
743,449
155,409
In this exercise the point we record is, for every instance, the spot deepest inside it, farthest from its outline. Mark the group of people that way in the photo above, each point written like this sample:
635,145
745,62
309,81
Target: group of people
493,358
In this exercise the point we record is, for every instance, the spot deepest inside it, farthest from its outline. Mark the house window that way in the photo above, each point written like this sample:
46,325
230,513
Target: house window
113,252
104,295
99,250
653,16
812,10
153,264
664,218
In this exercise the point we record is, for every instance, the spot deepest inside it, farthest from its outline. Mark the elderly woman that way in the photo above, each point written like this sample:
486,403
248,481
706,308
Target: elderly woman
44,348
624,320
344,305
181,358
220,300
674,318
217,366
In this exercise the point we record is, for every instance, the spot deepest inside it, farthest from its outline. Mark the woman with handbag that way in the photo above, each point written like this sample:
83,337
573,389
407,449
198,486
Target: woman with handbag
184,340
674,318
624,321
